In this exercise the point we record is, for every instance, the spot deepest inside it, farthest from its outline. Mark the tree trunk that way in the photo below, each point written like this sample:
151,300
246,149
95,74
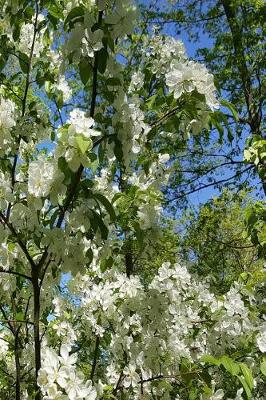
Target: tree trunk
37,342
17,362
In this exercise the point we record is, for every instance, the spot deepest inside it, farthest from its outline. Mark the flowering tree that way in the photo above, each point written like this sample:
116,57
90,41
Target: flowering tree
88,124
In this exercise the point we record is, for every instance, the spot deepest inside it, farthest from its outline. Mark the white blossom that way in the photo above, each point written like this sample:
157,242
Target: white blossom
63,86
186,77
81,124
261,339
92,42
41,175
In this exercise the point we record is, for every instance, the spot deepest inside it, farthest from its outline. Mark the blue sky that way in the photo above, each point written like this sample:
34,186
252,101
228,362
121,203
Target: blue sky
204,41
191,47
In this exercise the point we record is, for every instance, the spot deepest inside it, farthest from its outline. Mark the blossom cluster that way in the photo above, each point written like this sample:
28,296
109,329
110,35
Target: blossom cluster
7,122
189,76
129,122
58,377
154,328
45,179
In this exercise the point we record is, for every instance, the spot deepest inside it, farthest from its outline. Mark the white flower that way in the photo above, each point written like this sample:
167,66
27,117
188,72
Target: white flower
261,341
131,377
41,175
234,304
3,345
165,271
122,19
77,390
63,86
148,216
92,42
26,38
81,124
218,395
181,273
136,148
164,50
60,371
112,374
65,358
7,110
50,361
5,189
239,394
174,47
163,158
65,331
52,391
137,81
7,122
186,77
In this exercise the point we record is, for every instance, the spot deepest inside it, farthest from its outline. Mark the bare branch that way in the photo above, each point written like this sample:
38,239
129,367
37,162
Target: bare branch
209,185
15,273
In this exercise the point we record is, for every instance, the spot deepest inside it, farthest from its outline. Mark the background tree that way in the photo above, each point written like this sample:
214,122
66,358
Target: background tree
235,32
216,242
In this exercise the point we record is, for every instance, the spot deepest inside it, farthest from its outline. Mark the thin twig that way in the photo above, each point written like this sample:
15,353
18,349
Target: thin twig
21,244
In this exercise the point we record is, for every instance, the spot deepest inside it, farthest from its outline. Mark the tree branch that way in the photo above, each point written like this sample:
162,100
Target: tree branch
24,101
21,244
15,273
95,357
209,185
13,321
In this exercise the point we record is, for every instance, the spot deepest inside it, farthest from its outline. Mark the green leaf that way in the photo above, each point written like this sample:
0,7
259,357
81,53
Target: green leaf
2,63
29,12
107,205
85,70
230,107
24,62
207,390
245,386
19,316
102,60
230,365
97,223
247,375
113,82
263,367
230,134
60,100
139,234
83,144
216,123
150,101
75,15
106,263
53,218
111,43
55,11
89,255
210,360
101,153
94,165
118,150
93,157
87,183
117,196
16,31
